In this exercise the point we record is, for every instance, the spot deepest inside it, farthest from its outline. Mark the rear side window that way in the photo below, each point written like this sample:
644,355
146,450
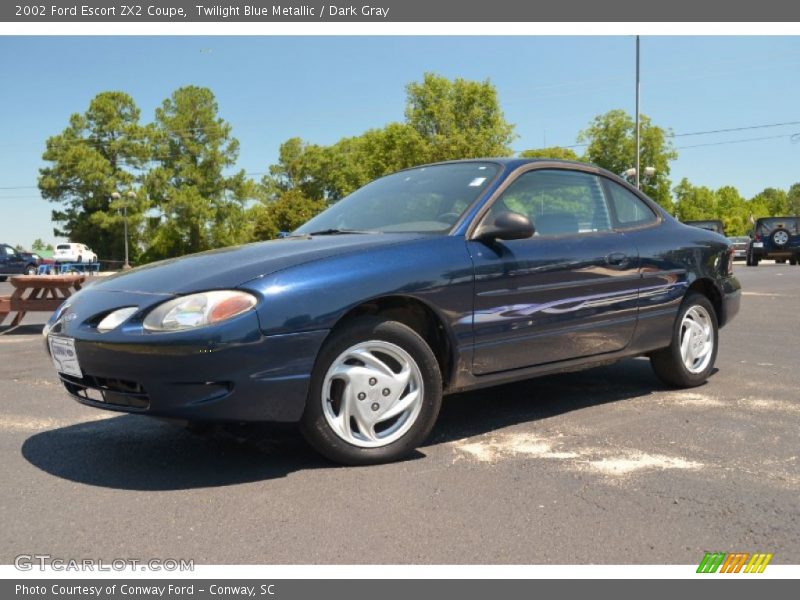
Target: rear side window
558,202
62,247
630,210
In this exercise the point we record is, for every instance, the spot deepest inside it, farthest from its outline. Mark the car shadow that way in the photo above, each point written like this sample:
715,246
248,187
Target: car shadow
134,452
25,329
475,413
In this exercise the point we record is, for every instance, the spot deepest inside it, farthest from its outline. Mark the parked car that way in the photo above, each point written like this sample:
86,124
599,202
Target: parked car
74,253
740,245
775,238
14,262
714,225
433,280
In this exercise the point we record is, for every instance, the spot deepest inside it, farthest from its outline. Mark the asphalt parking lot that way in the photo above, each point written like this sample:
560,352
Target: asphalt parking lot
603,466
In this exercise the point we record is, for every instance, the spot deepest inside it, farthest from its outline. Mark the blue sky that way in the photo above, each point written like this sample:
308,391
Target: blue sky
324,88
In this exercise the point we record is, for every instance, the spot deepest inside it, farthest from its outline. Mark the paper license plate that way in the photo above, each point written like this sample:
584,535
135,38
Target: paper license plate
65,359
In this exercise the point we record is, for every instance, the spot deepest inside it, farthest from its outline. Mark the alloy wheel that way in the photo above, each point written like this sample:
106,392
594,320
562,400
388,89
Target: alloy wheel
697,339
372,394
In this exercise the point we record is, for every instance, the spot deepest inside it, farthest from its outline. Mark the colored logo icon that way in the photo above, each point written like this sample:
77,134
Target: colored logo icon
734,562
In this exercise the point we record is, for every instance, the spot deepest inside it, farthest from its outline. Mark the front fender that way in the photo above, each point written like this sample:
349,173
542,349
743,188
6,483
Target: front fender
314,296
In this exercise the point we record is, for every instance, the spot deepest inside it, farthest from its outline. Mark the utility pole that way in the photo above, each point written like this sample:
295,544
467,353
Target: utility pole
637,113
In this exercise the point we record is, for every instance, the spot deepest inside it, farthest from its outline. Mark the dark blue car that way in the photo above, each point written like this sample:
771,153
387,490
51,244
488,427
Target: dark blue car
430,281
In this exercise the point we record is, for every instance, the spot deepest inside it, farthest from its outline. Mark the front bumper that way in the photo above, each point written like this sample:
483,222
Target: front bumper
230,372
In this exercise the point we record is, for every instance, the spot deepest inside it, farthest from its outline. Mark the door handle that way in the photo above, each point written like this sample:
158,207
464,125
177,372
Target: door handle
618,260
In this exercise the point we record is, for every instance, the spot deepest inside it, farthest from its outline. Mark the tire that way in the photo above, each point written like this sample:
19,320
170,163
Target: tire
383,342
669,364
793,261
749,261
779,237
3,278
31,270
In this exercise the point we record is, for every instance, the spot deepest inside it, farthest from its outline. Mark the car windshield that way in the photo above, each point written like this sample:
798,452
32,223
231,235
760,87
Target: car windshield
740,239
766,226
425,199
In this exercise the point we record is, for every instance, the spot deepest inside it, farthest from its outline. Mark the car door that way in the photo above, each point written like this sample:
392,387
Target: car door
567,292
11,262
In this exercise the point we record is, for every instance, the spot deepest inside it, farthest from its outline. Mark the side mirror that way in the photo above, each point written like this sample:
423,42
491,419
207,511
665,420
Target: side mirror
507,225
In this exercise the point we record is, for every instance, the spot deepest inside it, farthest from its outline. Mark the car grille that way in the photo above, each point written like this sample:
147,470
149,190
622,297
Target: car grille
116,392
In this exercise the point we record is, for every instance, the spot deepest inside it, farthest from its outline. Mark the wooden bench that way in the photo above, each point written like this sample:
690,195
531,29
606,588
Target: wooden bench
37,293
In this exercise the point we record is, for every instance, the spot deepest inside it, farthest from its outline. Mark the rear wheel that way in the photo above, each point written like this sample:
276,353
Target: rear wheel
3,278
375,393
792,261
689,359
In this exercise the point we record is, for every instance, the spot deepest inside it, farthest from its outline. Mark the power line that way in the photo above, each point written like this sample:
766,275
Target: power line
735,129
741,141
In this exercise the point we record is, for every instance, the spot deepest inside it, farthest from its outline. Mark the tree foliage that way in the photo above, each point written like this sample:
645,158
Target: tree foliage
611,144
196,206
445,120
458,118
554,152
793,200
102,151
695,203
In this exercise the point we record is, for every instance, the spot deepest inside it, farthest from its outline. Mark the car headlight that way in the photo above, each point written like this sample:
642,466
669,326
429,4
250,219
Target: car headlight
198,310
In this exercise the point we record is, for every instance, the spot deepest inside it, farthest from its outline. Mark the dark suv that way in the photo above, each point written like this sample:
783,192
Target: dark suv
775,238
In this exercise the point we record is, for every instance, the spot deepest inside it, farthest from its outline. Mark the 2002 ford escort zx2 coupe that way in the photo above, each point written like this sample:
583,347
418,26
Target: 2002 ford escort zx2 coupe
432,280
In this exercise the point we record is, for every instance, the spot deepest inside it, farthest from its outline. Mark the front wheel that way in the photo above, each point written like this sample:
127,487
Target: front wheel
375,393
690,357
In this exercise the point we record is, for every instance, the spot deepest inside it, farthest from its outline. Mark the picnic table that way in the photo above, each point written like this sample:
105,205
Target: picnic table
37,293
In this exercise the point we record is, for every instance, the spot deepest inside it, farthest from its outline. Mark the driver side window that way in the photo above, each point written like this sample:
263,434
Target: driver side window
558,202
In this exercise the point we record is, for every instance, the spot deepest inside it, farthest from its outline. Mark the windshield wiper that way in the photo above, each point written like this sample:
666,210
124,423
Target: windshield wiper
337,231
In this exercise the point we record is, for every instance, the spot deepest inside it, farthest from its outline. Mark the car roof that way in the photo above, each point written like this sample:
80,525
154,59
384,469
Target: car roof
512,163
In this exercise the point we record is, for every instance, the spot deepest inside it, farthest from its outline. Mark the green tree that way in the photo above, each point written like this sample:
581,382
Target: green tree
555,152
444,120
731,209
458,118
38,244
775,200
793,200
101,151
198,207
694,203
611,144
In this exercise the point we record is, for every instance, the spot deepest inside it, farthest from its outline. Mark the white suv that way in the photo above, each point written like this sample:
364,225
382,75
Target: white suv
74,253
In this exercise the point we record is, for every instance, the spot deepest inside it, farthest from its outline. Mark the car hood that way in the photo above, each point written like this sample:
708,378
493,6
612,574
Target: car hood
230,267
